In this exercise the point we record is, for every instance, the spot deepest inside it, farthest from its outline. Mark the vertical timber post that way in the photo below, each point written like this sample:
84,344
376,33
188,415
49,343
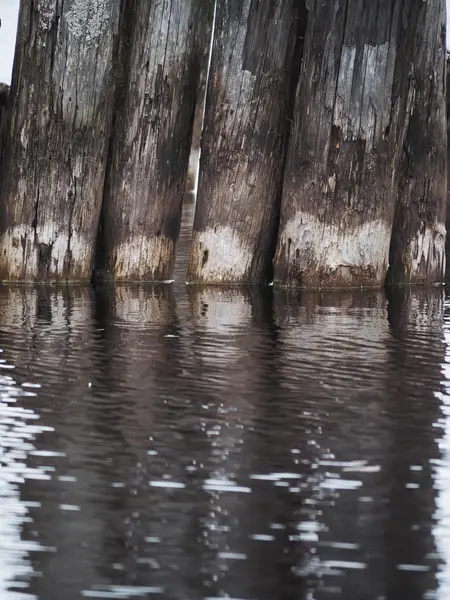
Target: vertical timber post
417,252
4,99
340,180
447,239
56,148
150,147
243,141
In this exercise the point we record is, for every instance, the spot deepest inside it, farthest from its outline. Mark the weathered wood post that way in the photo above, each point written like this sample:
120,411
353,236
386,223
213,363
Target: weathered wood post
56,148
338,195
418,237
351,119
152,138
447,241
4,97
243,141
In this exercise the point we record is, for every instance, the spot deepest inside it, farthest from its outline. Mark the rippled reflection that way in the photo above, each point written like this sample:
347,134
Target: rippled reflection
172,443
442,467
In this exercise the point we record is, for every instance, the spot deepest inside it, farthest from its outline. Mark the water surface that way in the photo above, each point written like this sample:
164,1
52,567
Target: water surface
163,443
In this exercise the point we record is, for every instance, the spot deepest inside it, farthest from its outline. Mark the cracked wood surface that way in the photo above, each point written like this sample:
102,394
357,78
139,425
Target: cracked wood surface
417,252
243,141
342,173
4,100
58,131
152,138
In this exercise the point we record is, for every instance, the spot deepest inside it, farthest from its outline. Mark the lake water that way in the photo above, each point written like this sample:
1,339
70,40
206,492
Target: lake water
158,442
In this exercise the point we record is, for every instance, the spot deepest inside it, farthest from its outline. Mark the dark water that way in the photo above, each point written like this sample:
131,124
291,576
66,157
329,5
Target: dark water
158,443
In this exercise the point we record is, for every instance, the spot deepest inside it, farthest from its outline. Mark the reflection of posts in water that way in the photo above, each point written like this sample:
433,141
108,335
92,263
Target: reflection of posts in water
54,346
135,306
441,469
247,436
50,320
355,383
146,368
416,346
262,443
110,361
225,409
334,368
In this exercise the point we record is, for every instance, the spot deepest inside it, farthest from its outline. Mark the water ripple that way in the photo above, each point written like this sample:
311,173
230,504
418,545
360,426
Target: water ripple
224,443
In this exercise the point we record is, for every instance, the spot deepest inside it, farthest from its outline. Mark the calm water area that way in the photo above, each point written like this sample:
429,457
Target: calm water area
179,443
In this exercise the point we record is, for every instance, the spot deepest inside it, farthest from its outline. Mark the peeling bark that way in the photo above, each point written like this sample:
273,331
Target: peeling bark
243,141
417,253
341,176
152,138
61,110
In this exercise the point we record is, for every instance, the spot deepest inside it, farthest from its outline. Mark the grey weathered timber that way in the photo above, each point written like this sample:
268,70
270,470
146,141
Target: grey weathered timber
152,137
417,252
4,97
341,175
447,239
57,140
243,141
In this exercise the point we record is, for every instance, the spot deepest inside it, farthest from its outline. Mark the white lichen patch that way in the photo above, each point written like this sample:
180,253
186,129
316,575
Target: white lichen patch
426,254
21,247
88,19
142,258
327,248
219,256
46,13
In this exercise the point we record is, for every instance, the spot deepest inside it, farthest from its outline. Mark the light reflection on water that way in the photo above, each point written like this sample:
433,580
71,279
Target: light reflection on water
442,466
18,429
158,442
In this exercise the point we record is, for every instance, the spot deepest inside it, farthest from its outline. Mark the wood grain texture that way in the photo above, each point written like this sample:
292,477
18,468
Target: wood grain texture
243,142
417,252
152,137
341,175
57,139
4,102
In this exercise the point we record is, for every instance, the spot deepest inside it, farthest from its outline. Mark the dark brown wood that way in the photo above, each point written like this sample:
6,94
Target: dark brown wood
447,240
341,177
417,252
4,99
243,140
152,138
56,150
